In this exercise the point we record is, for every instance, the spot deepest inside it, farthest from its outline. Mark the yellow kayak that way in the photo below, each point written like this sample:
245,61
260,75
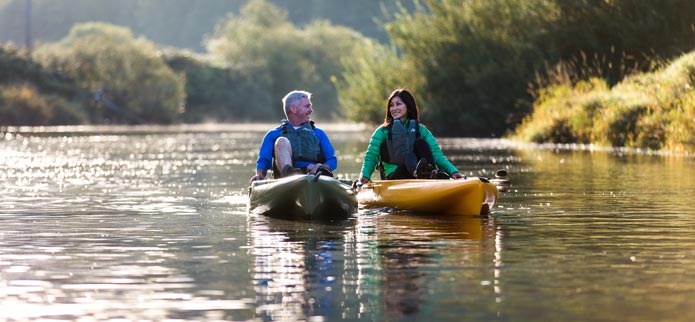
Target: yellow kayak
472,196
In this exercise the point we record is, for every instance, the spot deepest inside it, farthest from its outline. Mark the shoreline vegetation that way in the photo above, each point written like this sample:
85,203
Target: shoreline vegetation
480,71
652,111
168,128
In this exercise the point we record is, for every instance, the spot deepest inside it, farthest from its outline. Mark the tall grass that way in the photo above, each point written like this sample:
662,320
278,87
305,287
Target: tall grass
654,110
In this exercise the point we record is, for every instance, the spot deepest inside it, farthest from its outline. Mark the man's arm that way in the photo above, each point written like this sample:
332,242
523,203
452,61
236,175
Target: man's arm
265,155
328,151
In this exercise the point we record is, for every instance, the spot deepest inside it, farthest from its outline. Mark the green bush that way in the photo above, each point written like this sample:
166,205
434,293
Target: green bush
474,60
22,105
132,75
18,67
617,124
649,110
680,136
370,75
216,93
32,95
25,105
564,113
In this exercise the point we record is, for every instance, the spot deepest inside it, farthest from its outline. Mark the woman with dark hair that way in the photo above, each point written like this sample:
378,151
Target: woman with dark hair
403,148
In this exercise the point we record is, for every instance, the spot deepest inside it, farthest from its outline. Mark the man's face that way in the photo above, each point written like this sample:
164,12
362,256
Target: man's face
303,110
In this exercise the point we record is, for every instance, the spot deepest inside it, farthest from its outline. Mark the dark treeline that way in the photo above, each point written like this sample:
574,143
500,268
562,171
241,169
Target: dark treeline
476,66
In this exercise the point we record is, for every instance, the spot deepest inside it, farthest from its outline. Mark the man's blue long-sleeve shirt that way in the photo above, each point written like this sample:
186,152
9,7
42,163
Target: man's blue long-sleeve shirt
265,156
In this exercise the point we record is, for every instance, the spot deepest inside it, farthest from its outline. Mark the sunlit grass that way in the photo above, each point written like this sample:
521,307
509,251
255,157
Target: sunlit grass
648,110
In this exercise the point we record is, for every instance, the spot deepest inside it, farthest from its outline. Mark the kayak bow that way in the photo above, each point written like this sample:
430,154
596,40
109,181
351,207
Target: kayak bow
303,197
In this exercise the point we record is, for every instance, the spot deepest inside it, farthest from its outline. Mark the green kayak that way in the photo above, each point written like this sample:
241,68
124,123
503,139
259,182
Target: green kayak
303,197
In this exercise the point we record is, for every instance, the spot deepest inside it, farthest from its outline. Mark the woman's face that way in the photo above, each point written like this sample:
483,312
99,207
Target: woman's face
398,109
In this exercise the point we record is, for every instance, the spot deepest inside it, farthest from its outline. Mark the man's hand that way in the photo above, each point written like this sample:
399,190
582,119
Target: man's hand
260,175
457,175
312,168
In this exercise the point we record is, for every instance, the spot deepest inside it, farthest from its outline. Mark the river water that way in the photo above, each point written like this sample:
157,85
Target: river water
151,223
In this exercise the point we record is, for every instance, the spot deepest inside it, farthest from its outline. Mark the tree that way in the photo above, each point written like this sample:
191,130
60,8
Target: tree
128,70
264,45
479,62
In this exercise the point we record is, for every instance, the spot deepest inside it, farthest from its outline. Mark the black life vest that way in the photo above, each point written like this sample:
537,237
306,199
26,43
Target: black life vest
399,144
305,143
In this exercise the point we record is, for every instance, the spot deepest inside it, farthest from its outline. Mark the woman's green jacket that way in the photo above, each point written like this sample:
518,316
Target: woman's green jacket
372,156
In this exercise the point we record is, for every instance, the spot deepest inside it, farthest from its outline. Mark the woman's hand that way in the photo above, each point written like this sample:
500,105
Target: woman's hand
457,175
357,185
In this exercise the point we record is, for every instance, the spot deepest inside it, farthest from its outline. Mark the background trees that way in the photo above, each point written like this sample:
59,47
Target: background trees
180,23
32,95
275,57
477,67
107,60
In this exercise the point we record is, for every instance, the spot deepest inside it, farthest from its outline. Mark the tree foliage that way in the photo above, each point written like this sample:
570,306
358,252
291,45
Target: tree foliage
23,104
264,45
103,57
18,67
474,57
178,23
218,94
370,75
647,110
32,95
475,66
479,62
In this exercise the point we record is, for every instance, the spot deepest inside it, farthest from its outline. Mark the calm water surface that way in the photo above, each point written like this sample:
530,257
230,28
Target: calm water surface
150,223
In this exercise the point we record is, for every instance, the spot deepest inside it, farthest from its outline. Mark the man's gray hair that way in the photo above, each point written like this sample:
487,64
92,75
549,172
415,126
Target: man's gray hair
292,99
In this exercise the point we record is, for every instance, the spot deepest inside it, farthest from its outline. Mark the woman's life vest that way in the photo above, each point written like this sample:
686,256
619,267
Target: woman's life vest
398,147
305,144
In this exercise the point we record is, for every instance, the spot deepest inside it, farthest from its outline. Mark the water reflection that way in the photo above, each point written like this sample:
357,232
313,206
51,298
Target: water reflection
151,224
416,251
98,267
303,270
431,226
378,266
103,226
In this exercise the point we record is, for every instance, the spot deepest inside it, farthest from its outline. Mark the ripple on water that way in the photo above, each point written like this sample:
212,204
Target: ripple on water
151,224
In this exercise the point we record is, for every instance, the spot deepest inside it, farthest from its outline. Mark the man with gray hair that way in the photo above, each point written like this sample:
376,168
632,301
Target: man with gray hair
296,146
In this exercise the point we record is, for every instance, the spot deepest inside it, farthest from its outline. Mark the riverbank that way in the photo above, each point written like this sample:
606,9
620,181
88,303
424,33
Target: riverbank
653,111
